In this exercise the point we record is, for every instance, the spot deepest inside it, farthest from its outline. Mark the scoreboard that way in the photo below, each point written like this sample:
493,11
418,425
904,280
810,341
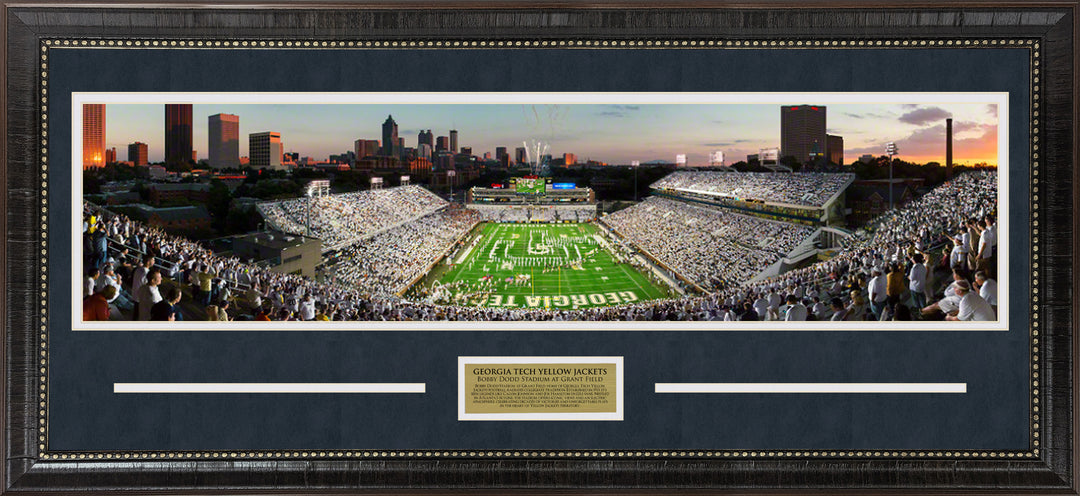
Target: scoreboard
530,185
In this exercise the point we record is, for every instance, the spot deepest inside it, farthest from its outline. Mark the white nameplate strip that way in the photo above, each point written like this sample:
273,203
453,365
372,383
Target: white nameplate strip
812,387
268,387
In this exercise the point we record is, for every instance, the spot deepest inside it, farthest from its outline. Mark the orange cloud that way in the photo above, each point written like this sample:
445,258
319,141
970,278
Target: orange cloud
972,142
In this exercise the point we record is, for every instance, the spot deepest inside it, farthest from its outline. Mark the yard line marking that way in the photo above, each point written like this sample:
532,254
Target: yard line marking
644,293
812,387
269,387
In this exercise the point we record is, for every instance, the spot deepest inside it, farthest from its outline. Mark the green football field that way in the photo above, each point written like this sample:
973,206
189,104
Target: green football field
558,266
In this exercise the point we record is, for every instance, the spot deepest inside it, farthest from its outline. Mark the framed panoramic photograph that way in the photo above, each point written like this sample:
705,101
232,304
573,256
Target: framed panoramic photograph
541,248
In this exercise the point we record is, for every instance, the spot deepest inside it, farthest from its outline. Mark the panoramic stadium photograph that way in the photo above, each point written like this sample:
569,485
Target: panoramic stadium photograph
842,211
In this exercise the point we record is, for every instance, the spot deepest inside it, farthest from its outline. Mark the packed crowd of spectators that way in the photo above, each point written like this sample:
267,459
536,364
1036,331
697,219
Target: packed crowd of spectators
493,213
713,248
795,188
935,258
389,261
341,220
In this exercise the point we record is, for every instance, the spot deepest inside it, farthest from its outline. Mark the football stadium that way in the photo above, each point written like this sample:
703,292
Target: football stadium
703,245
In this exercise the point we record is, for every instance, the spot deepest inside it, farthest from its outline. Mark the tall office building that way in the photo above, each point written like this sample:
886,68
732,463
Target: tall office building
835,146
389,137
110,155
365,148
802,132
177,133
138,153
400,146
442,144
224,140
265,149
453,140
93,124
425,138
520,155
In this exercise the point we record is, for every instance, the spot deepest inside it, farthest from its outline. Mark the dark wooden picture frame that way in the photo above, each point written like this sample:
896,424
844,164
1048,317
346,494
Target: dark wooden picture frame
1051,469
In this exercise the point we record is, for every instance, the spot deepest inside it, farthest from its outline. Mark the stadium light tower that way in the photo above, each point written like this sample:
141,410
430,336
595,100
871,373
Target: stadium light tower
450,174
891,150
317,187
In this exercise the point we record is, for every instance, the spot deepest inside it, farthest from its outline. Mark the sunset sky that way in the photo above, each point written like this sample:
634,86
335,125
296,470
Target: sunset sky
616,134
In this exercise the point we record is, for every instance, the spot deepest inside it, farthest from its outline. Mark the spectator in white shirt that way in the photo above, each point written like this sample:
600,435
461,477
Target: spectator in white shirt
90,282
774,299
950,301
987,241
139,277
820,309
108,277
917,280
307,309
988,288
796,310
838,310
878,294
760,306
958,257
149,294
972,306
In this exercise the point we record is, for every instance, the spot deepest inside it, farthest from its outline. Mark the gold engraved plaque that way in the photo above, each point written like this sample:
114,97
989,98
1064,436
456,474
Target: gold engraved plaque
540,388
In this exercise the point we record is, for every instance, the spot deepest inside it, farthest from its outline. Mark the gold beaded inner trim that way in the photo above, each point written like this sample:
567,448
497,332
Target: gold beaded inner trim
1033,45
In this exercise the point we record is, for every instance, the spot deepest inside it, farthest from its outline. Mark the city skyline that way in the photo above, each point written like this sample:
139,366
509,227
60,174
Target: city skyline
616,134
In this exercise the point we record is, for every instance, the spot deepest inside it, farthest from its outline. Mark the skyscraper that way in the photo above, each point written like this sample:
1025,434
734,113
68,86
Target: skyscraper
802,132
110,155
93,148
137,153
425,138
442,144
365,148
835,146
389,137
224,140
453,140
424,151
265,149
177,133
520,155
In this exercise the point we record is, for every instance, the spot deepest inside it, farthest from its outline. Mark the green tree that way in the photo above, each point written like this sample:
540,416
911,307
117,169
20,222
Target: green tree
790,161
217,203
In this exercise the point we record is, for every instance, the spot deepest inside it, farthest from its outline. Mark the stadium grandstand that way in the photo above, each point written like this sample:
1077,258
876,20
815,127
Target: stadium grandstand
346,219
705,246
708,246
812,198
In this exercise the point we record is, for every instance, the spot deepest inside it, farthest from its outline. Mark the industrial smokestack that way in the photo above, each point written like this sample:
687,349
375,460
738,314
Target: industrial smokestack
948,149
